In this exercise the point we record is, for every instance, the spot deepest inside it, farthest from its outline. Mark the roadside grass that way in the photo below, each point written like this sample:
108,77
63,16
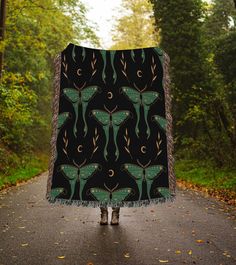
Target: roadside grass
34,166
205,174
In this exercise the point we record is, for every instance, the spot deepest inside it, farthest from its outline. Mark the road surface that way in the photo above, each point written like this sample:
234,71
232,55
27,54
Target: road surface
191,230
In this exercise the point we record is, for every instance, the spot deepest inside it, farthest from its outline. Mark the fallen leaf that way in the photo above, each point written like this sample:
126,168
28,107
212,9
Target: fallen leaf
89,263
190,252
177,251
126,255
24,244
163,261
199,241
116,242
61,257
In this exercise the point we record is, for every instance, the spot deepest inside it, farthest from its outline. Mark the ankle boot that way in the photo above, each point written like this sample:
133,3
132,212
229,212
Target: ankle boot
115,216
104,216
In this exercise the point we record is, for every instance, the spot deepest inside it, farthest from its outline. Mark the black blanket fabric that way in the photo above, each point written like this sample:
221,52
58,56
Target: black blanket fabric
111,142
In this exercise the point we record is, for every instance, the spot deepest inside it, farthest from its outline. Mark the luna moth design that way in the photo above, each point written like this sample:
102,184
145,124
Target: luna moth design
162,122
140,98
165,192
142,173
110,195
112,55
159,52
142,54
80,173
55,192
111,119
80,96
74,53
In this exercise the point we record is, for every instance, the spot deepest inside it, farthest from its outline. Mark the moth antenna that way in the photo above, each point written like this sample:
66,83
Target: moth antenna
83,163
106,187
115,186
144,88
76,163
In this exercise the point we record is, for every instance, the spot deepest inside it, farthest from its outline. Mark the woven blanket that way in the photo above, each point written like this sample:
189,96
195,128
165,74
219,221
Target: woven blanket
111,142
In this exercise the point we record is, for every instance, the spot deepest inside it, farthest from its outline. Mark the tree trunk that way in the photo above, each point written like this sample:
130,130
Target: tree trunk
2,30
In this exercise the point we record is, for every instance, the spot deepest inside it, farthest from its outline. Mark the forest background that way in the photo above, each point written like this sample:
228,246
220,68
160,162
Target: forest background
200,38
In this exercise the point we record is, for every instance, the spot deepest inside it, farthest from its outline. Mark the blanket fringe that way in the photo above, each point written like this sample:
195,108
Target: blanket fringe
95,204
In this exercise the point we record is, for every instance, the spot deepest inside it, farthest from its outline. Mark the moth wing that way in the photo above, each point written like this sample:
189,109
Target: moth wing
102,116
88,170
56,192
131,93
120,116
135,171
88,92
165,192
120,194
62,117
153,171
162,122
149,97
72,94
100,194
71,172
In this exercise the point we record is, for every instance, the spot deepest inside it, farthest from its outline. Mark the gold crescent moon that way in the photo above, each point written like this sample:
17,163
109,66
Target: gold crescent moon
79,148
111,172
79,72
142,149
109,95
139,73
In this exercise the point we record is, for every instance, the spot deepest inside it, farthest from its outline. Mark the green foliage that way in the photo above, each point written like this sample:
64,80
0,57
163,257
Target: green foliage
205,174
35,32
135,28
199,38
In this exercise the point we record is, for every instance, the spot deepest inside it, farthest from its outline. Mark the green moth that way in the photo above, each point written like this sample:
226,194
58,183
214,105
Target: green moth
103,195
80,97
140,174
81,174
111,120
138,98
56,192
162,122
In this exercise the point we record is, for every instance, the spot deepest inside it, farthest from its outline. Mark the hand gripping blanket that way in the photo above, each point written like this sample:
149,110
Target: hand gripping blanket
111,142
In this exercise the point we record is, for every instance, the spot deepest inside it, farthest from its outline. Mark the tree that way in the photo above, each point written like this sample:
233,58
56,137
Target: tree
135,28
180,23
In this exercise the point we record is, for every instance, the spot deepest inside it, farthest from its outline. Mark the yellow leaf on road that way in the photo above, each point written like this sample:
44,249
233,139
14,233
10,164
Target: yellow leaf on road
199,241
61,257
177,251
126,255
24,244
190,252
163,261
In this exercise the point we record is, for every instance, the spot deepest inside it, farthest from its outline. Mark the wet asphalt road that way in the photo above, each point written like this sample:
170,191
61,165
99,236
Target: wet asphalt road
191,230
